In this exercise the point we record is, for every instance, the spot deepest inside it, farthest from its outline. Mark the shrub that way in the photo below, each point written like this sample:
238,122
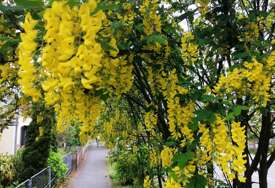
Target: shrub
7,170
57,165
18,163
129,166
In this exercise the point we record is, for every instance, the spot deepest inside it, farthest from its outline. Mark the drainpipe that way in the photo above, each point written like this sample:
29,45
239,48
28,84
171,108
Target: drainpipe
16,130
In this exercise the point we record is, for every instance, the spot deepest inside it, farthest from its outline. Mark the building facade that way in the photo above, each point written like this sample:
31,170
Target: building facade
14,136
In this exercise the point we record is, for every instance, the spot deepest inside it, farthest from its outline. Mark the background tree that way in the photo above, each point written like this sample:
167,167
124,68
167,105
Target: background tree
9,39
40,141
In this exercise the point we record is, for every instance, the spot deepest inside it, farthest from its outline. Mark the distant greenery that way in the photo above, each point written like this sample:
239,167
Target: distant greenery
116,182
57,165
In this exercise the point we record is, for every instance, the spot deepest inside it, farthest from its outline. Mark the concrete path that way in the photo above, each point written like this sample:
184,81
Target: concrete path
93,172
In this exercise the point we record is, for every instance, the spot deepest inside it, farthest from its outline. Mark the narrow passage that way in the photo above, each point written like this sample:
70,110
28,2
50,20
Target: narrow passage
93,172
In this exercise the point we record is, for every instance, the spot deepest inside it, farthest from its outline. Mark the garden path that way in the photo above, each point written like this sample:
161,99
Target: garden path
93,173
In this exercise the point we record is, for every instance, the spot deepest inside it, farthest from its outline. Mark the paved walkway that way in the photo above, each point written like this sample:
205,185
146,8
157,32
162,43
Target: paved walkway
93,172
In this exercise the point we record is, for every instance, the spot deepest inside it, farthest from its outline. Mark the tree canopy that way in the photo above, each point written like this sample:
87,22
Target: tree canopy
189,81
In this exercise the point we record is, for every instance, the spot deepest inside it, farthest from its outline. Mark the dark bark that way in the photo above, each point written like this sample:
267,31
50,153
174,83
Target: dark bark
160,181
267,128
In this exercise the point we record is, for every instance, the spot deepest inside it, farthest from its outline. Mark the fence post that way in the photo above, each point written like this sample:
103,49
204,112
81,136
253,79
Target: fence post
50,177
30,183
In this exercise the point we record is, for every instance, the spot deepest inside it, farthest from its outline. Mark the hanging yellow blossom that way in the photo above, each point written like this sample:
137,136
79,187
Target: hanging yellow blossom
151,20
171,183
167,155
254,79
204,154
147,182
189,48
26,49
238,136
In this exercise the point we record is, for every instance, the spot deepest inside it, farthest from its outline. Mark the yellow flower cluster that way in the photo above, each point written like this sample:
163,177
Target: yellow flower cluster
189,48
128,15
154,158
73,62
223,147
64,64
167,155
184,116
252,32
90,52
227,155
26,50
150,121
239,138
118,126
5,71
206,148
151,20
147,182
254,79
177,115
202,5
171,183
118,76
184,175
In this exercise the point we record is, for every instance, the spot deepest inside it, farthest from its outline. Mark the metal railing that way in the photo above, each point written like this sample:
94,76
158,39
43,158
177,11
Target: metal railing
43,179
46,179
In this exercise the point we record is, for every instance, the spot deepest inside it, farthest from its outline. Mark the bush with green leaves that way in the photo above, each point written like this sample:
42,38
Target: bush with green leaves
18,163
57,165
130,166
7,170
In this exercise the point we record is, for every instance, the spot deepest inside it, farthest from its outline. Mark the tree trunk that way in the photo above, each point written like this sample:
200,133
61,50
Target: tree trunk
159,181
210,172
267,129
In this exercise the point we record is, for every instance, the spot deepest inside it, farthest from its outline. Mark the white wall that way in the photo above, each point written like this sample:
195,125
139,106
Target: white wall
9,140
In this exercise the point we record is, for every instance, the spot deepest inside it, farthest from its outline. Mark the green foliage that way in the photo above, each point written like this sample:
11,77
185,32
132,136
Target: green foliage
71,135
18,163
182,158
156,38
57,165
30,4
7,170
197,181
40,140
129,166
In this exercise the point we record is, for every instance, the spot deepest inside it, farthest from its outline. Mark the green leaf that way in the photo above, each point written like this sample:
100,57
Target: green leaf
205,115
139,27
182,158
208,98
29,3
197,181
116,26
236,111
105,6
73,2
156,38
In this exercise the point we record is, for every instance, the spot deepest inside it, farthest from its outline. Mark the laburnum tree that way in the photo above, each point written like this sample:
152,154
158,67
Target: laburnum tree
9,89
194,79
40,138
